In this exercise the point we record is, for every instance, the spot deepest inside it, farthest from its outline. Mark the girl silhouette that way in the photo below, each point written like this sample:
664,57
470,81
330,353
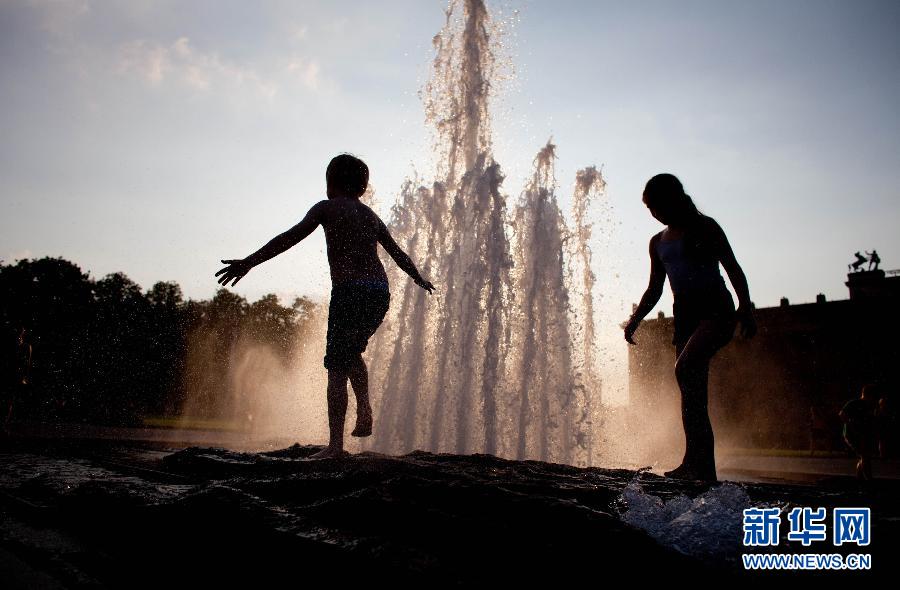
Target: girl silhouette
689,251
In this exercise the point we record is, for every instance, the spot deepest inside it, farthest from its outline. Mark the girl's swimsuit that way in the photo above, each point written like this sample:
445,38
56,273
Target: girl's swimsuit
698,290
356,310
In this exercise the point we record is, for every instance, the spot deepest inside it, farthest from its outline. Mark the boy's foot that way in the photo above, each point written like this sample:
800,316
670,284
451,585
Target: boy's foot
329,453
363,424
687,472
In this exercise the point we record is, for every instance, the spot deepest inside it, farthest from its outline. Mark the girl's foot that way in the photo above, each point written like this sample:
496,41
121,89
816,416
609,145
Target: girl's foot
688,472
329,453
363,423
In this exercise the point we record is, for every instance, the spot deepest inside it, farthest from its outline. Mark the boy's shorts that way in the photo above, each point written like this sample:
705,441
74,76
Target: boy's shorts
354,313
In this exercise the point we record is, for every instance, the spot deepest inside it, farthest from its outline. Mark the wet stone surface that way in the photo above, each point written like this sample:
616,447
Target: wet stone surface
109,514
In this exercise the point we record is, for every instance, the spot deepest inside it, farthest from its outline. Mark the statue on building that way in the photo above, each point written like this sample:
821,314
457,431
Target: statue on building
860,260
874,260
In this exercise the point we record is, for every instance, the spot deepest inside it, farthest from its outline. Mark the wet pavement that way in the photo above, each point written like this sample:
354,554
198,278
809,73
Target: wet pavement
107,513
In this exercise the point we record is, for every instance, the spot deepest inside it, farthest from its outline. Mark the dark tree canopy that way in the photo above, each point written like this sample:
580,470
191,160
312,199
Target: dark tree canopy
105,351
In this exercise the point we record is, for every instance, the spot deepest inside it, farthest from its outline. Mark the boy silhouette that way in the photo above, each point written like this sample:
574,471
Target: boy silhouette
360,296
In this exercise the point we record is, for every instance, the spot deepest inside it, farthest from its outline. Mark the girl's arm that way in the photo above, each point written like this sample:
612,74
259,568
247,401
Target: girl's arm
737,277
651,295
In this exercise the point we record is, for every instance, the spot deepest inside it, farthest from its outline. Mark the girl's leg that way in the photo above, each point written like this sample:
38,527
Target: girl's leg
359,379
692,374
337,411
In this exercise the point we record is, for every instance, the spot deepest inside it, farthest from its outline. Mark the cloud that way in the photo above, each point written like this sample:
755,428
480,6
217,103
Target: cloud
104,44
151,62
182,62
307,72
58,17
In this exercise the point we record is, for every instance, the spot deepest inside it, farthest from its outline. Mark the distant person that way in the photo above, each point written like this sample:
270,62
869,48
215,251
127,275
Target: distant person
860,260
689,251
874,260
858,416
360,296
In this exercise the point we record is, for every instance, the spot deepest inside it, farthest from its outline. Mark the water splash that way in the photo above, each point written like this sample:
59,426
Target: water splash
500,359
544,375
589,184
709,525
255,393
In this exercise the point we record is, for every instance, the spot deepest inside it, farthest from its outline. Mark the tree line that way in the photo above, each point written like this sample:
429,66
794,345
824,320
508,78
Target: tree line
107,352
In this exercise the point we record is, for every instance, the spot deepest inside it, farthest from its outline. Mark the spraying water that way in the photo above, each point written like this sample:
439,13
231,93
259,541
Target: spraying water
500,359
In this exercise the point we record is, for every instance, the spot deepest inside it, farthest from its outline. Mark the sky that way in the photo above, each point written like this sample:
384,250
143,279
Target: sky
157,138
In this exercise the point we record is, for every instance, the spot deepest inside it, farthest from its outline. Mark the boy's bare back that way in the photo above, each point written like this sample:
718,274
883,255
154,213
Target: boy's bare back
352,234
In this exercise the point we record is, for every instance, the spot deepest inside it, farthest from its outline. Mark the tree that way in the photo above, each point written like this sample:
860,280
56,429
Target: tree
105,351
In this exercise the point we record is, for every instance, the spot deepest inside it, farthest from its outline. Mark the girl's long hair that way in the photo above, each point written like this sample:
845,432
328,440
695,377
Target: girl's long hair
665,191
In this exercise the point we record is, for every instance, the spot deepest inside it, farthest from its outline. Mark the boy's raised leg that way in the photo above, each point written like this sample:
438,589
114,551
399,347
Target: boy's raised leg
337,411
359,379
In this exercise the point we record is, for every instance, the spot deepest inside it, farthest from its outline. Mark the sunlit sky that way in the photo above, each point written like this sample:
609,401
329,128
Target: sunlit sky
156,138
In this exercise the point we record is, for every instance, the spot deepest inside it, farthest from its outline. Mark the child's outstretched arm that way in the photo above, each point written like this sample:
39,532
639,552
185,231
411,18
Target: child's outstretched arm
651,295
400,257
237,268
